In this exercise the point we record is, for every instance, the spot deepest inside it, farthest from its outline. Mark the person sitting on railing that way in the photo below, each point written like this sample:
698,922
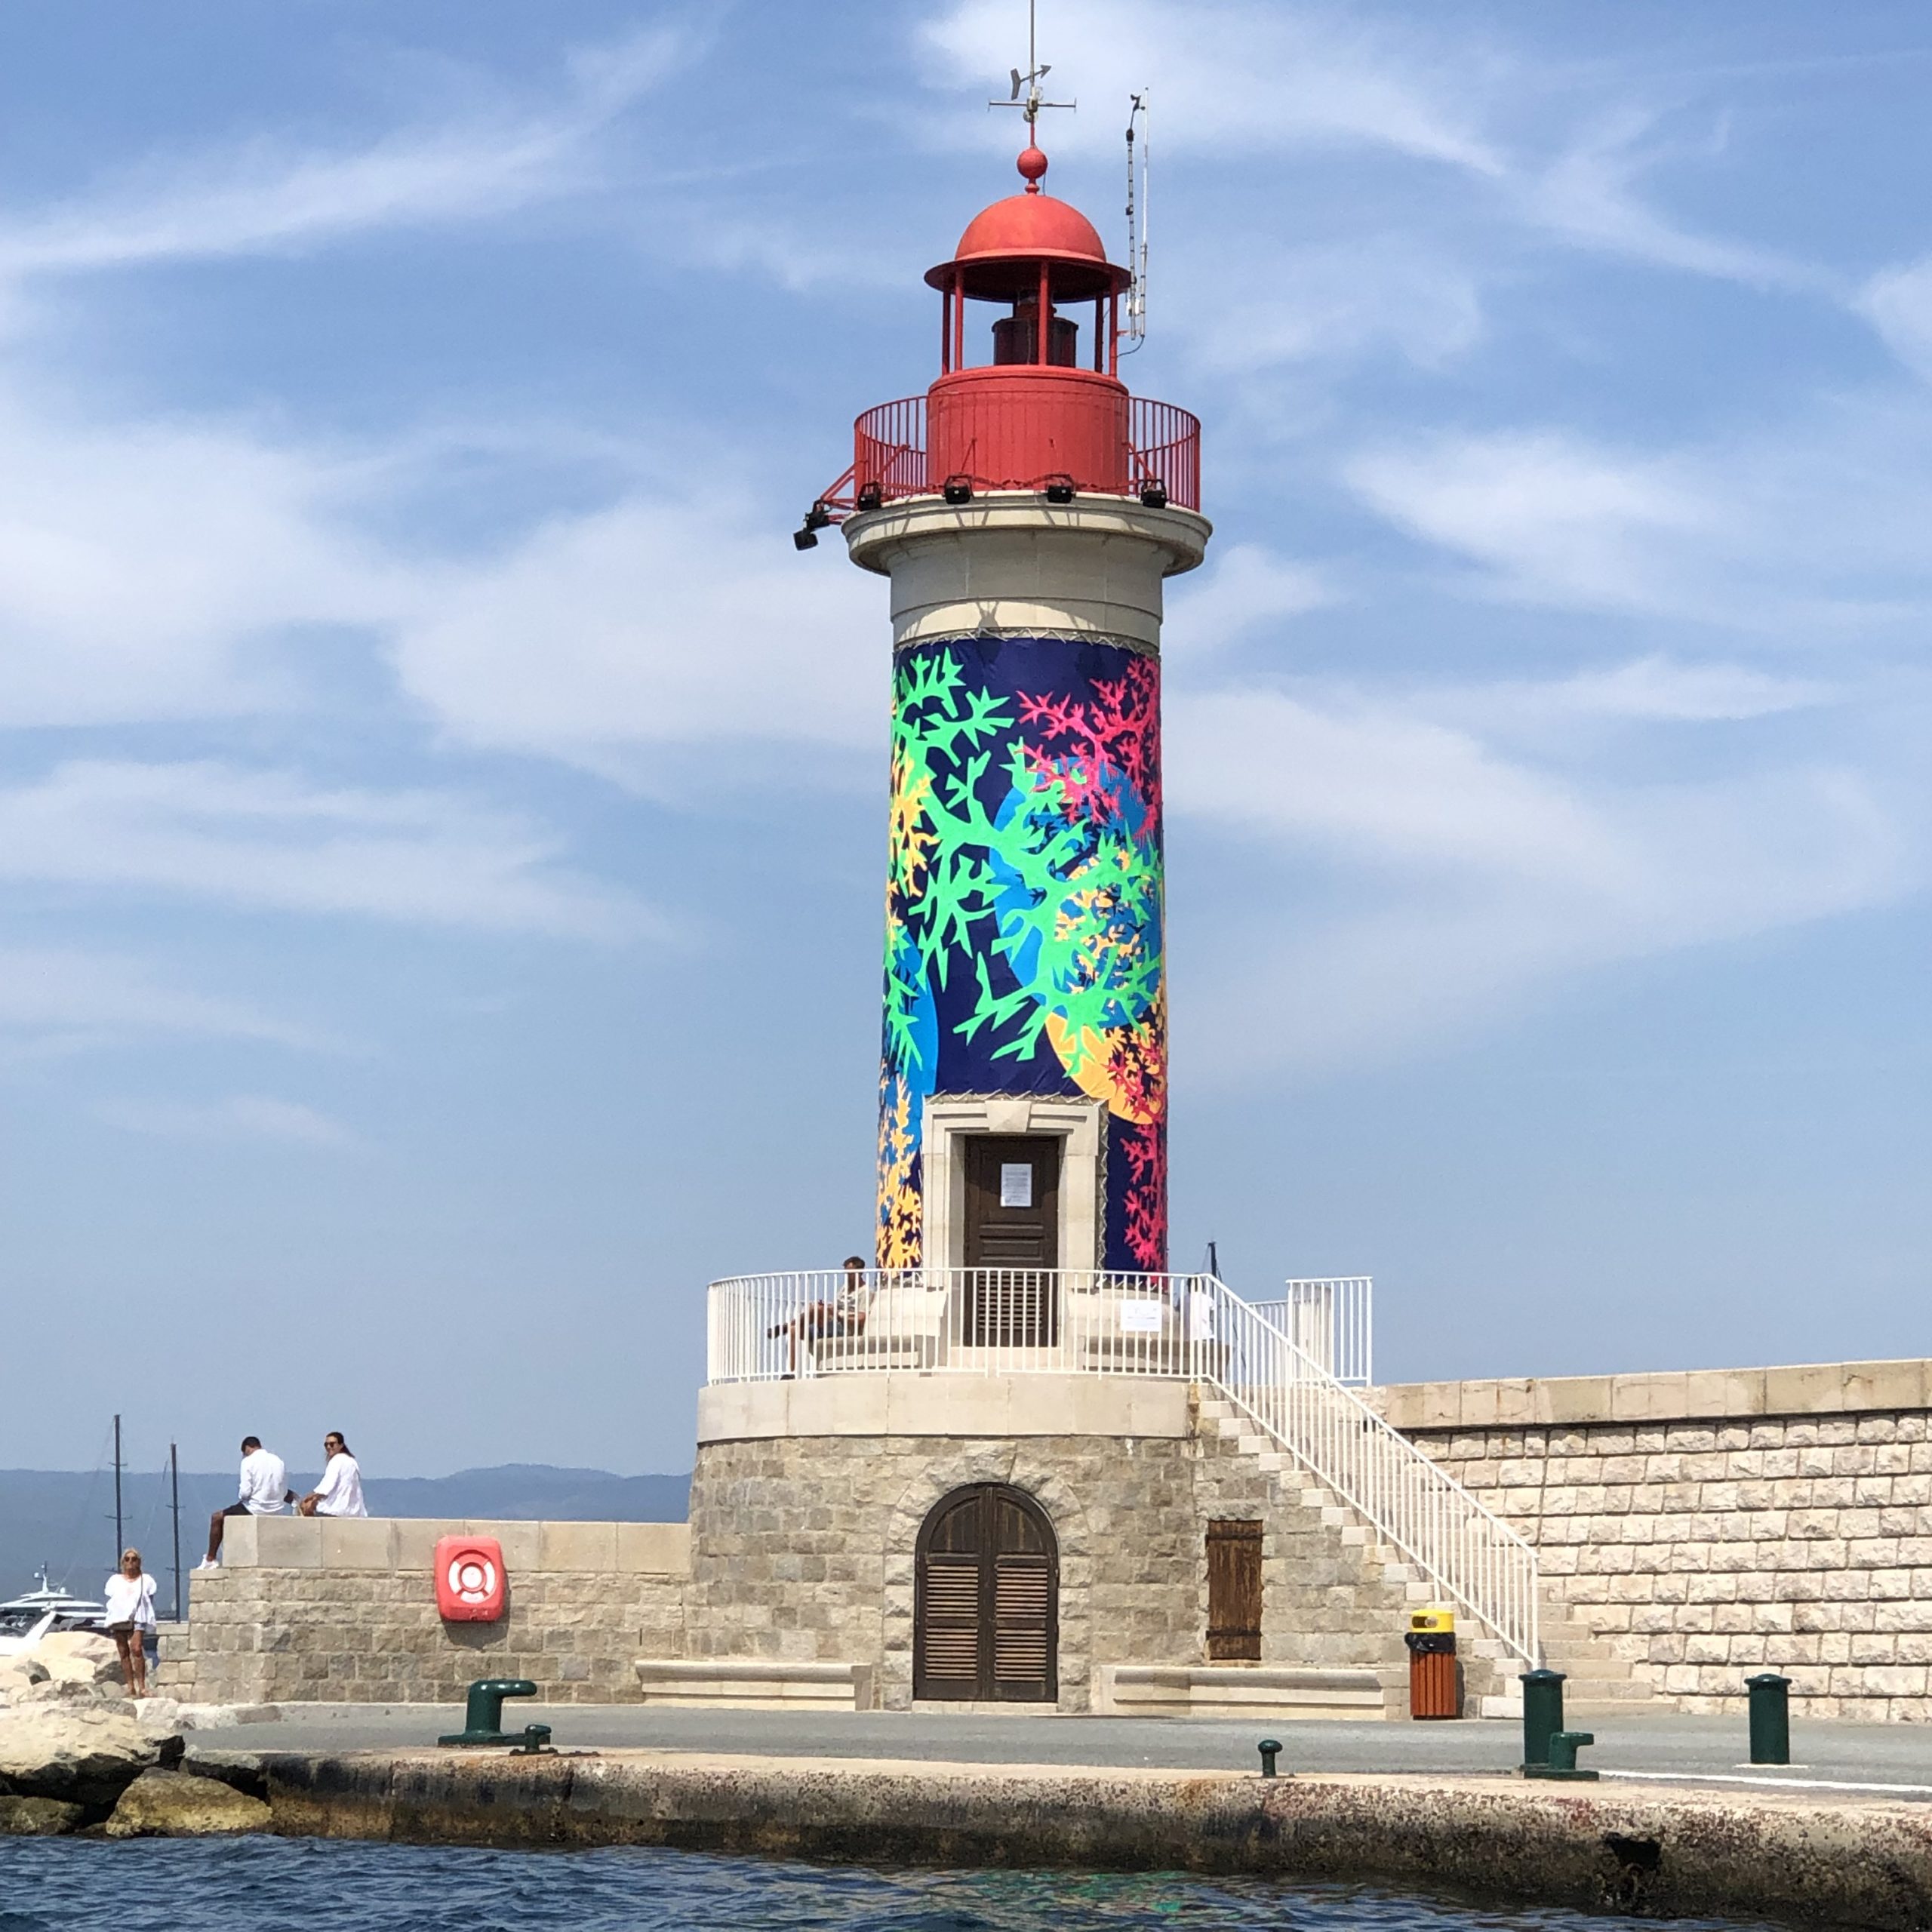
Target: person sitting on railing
845,1315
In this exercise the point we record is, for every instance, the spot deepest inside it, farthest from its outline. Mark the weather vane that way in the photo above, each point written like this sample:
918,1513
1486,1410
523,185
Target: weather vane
1031,102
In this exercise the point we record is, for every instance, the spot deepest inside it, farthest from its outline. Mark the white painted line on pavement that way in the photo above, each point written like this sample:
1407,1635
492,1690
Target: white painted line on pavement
1794,1784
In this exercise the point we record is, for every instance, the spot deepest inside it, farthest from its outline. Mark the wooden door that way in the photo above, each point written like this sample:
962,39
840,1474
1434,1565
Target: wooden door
1234,1592
985,1609
1012,1240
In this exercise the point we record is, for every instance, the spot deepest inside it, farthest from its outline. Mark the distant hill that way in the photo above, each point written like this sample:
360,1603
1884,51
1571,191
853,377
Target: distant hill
65,1520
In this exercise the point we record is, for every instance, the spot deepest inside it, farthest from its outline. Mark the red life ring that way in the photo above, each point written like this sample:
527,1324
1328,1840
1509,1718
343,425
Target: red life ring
471,1587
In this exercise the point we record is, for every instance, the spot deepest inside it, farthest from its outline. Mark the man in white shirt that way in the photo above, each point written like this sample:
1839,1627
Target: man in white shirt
265,1492
340,1492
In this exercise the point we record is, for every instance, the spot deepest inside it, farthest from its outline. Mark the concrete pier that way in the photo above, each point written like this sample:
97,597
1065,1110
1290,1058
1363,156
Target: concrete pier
1805,1858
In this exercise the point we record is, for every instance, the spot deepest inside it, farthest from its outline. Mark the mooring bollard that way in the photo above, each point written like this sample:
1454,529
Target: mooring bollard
1771,1718
1564,1746
1543,1714
483,1713
1270,1749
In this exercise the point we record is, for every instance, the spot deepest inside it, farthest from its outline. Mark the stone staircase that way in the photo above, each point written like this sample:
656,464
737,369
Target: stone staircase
1600,1682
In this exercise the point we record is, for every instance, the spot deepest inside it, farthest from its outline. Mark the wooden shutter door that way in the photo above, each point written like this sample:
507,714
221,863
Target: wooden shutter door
985,1603
1234,1592
1022,1627
1025,1589
949,1659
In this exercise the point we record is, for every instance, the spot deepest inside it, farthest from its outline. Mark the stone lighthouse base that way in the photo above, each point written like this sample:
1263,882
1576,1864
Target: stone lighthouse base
809,1499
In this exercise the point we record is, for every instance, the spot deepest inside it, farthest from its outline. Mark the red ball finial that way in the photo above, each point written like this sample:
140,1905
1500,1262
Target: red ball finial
1032,164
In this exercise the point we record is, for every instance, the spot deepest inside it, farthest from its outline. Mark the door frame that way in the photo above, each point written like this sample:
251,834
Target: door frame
948,1119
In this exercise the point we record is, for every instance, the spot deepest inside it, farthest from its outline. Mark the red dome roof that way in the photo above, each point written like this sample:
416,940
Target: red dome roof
1004,245
1032,225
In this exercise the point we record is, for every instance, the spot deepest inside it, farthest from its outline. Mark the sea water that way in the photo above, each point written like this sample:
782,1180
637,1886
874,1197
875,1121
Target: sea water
265,1884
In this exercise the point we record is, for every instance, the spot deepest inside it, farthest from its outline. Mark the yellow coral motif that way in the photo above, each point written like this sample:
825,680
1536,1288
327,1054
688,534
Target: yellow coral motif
1122,1067
899,1204
910,840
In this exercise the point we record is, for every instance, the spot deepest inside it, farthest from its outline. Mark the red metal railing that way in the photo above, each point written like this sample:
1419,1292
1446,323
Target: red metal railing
1164,446
1163,451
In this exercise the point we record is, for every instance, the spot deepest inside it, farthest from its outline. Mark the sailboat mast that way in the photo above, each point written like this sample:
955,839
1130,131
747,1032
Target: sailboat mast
174,1497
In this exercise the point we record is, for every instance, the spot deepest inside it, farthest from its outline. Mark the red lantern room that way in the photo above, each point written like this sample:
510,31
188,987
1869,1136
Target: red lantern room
1035,403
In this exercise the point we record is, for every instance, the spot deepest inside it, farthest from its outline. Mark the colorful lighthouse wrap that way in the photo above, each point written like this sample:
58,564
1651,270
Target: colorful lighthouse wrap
1023,915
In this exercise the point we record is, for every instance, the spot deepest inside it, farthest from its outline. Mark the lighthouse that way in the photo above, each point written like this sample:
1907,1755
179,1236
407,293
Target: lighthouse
1026,510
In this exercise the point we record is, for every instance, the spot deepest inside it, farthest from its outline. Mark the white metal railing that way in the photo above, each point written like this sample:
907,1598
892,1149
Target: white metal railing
970,1321
1008,1321
1468,1554
1332,1317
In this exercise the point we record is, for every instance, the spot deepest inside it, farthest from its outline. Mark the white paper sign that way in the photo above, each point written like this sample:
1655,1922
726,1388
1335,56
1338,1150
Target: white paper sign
1015,1184
1141,1318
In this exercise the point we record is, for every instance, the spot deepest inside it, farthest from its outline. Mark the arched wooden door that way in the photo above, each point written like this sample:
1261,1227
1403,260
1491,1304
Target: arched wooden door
985,1604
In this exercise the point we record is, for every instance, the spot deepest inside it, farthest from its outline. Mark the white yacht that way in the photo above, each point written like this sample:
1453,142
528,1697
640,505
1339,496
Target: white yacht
25,1620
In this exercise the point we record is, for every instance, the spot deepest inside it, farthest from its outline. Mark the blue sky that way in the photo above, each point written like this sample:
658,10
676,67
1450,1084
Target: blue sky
441,818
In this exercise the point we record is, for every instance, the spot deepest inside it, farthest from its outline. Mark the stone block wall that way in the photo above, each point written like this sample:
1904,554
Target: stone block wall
803,1548
1709,1526
311,1610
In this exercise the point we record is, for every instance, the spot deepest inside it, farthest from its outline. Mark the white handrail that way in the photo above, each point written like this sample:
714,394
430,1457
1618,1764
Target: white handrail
1022,1321
1331,1317
1469,1553
962,1321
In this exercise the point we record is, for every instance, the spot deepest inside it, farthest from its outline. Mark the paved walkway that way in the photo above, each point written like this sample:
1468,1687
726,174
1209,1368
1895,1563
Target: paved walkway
1705,1749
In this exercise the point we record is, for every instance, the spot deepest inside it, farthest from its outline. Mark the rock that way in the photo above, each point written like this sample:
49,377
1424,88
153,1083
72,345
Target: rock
162,1717
89,1644
37,1817
19,1671
175,1804
81,1750
67,1690
209,1717
78,1657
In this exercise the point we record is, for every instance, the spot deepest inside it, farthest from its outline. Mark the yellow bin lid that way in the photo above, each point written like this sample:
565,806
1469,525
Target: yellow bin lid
1436,1617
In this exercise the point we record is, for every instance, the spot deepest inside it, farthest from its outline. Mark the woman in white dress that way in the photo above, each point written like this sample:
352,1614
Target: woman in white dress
131,1620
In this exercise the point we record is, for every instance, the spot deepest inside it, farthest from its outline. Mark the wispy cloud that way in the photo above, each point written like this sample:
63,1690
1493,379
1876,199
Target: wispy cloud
1247,586
238,1117
650,625
1809,529
259,196
148,570
1658,689
1897,301
1447,882
65,997
1249,78
1555,521
271,840
1588,196
1395,292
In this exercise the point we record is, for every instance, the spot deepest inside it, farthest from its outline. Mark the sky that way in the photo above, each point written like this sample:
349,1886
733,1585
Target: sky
442,818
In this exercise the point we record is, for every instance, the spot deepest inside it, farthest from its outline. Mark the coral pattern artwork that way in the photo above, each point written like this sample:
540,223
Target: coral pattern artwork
1023,910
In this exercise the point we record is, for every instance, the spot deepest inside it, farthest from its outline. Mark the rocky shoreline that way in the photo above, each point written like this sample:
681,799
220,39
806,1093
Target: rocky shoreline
77,1753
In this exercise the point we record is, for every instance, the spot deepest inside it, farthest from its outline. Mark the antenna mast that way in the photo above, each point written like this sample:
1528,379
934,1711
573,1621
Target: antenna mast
1134,332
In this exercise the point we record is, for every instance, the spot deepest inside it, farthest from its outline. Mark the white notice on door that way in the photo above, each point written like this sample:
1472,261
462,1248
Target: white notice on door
1015,1184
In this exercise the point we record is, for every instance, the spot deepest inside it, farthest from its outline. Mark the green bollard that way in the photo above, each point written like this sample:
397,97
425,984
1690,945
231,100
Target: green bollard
483,1714
1564,1745
1542,1715
1771,1718
1270,1749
